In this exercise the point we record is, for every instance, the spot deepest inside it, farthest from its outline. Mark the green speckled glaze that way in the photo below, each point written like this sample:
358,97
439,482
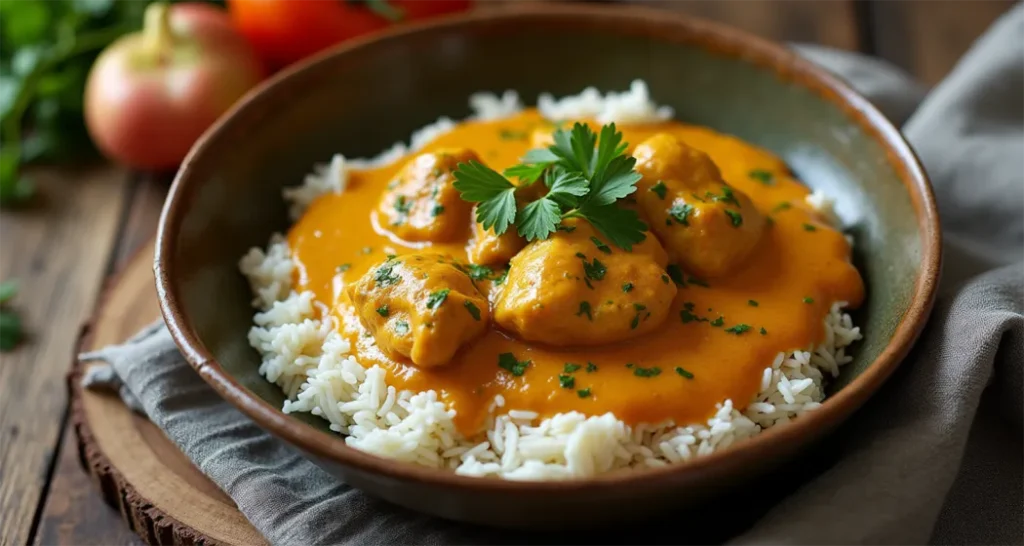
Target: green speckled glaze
228,197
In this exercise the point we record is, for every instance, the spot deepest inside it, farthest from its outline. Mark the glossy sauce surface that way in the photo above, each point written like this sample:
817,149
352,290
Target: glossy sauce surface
784,289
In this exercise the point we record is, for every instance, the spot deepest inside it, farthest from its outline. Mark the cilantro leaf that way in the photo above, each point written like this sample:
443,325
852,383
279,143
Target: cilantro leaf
539,219
622,226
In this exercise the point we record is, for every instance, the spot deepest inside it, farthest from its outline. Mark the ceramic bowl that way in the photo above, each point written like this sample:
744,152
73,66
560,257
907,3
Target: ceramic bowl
362,96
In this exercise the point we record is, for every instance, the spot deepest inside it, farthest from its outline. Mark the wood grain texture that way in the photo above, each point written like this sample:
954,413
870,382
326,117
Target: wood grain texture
58,250
928,37
159,494
832,23
75,512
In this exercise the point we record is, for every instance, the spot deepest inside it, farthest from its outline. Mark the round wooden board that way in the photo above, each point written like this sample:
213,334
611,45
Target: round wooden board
160,493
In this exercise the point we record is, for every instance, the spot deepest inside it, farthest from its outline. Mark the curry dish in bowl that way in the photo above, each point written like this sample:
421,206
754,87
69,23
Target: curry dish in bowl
555,292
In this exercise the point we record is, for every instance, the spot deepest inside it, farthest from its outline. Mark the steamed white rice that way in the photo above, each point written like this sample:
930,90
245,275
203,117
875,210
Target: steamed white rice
312,362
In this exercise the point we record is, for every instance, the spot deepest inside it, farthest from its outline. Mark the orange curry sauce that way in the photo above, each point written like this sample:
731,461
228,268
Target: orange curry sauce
786,288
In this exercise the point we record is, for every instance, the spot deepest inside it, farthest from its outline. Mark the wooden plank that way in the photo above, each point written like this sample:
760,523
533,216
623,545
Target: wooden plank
831,23
58,249
927,38
75,512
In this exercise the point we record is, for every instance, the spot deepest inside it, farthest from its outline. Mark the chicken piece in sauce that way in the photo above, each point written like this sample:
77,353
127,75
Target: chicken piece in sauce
421,204
575,288
421,307
487,248
707,227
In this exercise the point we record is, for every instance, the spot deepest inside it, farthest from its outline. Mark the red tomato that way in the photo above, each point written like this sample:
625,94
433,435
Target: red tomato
284,31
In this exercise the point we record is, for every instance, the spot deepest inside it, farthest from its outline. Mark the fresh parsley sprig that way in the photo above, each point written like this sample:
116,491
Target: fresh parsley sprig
586,175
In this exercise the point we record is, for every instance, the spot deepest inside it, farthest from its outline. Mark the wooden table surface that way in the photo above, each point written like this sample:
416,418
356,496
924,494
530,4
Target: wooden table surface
89,220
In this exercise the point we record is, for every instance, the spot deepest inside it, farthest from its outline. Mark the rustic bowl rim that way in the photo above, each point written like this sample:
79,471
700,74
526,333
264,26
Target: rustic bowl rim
705,34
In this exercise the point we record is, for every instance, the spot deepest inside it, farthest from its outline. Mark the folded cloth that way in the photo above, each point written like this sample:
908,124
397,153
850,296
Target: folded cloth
935,456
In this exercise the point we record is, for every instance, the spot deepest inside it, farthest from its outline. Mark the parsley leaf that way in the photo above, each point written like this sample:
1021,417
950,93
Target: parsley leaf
478,183
570,367
622,226
566,381
539,219
601,246
684,373
585,174
527,174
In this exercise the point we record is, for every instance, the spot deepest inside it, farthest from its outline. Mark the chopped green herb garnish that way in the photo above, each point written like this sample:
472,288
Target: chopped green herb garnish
385,275
383,310
762,176
738,329
659,189
635,322
570,367
752,303
509,134
403,205
781,207
401,327
627,286
646,372
585,310
594,269
583,393
601,246
438,210
630,364
763,331
687,316
726,197
680,212
698,282
591,367
735,217
808,299
718,322
809,227
684,373
435,299
676,274
566,381
586,175
473,309
508,361
343,268
664,279
478,272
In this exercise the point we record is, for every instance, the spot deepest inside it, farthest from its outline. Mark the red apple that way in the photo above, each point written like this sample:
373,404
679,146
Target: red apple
151,94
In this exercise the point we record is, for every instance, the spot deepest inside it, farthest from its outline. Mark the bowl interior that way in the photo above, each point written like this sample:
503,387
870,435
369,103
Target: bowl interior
359,104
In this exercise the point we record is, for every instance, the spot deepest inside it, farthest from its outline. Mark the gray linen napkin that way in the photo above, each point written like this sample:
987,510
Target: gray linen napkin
935,456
